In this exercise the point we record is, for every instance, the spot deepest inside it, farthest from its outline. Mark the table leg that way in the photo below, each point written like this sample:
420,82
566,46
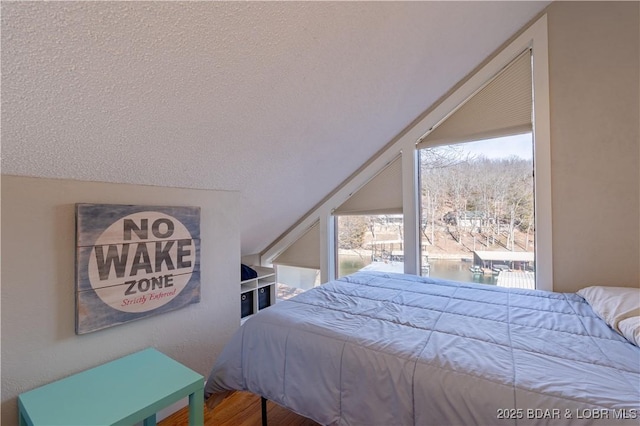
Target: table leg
150,421
196,408
21,420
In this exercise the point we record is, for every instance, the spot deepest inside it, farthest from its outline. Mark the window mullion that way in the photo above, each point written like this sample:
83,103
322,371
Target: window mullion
410,203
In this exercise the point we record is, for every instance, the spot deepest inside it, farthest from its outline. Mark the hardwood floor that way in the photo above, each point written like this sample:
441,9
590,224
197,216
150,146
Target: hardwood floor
241,409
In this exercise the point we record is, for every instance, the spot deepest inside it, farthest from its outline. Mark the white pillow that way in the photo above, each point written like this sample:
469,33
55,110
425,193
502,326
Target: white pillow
619,307
630,328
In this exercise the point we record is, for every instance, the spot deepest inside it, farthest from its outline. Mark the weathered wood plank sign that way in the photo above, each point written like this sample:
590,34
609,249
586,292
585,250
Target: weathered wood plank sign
133,262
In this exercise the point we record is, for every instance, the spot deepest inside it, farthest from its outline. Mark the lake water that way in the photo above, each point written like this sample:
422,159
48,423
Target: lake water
445,269
458,271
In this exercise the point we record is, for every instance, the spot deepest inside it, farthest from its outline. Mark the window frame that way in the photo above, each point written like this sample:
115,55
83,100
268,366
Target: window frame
535,38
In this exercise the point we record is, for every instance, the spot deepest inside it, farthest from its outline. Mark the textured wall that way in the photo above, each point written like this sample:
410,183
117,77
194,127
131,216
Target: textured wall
38,300
594,61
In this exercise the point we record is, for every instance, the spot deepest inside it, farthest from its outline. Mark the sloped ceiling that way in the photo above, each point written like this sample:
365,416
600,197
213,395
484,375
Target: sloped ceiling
278,100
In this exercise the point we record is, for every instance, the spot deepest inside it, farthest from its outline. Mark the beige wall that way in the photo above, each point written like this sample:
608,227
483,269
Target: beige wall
594,70
39,344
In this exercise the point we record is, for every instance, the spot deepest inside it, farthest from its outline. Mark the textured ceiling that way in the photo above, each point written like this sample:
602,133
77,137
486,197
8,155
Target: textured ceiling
278,100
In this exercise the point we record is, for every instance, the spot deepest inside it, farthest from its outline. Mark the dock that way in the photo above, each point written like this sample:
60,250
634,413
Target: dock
517,279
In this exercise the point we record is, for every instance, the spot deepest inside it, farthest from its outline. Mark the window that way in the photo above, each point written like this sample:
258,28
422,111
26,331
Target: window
369,242
298,266
477,212
294,280
369,225
477,194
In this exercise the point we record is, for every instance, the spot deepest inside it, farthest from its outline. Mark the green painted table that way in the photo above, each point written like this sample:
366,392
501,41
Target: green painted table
122,392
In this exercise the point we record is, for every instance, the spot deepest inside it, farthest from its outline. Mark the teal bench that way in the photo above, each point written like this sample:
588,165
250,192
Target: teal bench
122,392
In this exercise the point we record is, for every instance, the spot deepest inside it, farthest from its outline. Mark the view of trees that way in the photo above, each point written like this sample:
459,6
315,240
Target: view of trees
358,232
351,232
468,197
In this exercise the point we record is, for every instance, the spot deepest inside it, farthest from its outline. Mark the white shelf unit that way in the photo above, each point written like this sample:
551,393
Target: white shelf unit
257,293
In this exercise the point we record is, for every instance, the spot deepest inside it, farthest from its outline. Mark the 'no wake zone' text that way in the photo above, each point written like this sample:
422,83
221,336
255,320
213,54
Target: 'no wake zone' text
142,261
149,265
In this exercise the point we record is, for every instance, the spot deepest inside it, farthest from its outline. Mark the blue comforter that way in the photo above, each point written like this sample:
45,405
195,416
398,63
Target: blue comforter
393,349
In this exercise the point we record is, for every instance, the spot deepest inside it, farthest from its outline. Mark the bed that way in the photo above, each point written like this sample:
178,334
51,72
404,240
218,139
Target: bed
393,349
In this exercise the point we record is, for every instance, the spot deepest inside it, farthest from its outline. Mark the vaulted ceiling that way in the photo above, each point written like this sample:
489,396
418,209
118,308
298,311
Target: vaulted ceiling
280,101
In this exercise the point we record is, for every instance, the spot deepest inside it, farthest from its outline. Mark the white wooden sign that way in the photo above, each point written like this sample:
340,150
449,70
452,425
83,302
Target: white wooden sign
133,262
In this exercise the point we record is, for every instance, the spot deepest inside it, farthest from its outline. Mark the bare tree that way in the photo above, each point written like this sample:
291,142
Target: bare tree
352,230
487,198
438,164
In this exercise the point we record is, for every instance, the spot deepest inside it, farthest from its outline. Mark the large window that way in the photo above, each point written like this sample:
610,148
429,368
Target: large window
477,211
477,184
